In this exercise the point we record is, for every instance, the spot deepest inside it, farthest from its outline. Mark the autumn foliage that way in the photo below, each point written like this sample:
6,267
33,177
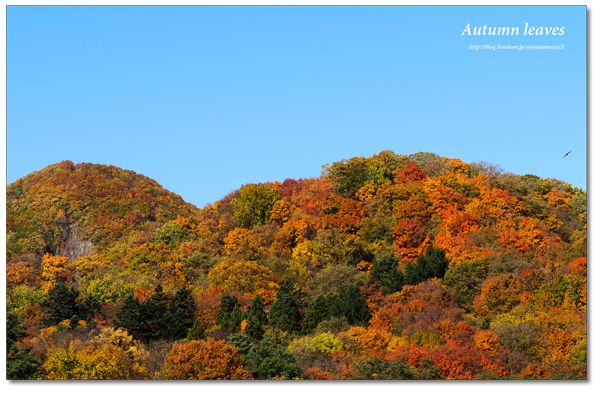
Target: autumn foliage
388,267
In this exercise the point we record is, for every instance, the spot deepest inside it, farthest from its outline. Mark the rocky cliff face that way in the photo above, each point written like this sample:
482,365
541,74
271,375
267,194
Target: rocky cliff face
75,246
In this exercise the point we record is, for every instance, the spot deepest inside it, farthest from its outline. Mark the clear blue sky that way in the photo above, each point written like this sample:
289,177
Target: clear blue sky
206,99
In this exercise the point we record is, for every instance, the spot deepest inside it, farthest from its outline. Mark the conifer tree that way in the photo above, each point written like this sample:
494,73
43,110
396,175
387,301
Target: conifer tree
257,309
180,315
155,315
385,269
196,332
89,307
335,305
229,314
60,305
20,364
254,328
129,317
317,312
284,313
271,360
356,309
432,264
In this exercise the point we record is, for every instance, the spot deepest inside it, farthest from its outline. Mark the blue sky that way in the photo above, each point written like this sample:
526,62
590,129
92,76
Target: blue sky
206,99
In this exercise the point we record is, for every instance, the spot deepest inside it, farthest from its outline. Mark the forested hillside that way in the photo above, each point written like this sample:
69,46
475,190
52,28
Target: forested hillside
389,267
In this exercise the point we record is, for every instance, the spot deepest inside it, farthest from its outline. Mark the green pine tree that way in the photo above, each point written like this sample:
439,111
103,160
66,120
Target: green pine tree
89,307
60,305
385,270
270,360
196,332
432,264
129,317
317,312
254,328
20,364
284,312
257,309
229,315
356,309
180,317
335,305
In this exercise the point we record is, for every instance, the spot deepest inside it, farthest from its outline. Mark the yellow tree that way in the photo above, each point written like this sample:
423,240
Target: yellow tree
56,268
244,276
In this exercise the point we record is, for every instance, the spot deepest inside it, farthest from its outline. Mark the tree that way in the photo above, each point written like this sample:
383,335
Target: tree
173,234
129,317
271,360
60,305
196,332
89,307
204,360
111,354
432,164
157,317
500,294
411,173
56,269
432,264
254,204
20,364
180,317
257,309
229,315
385,270
284,313
243,276
254,328
348,175
316,313
410,239
256,318
464,281
356,309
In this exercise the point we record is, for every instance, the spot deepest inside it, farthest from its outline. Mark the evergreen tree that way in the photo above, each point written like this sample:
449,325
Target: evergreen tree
229,314
385,270
158,317
196,332
171,326
257,309
243,343
20,364
351,305
89,307
60,305
155,316
180,315
317,312
129,317
432,264
270,360
284,314
335,305
254,328
355,306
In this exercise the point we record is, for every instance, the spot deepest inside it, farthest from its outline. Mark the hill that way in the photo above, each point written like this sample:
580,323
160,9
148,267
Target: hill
71,209
393,266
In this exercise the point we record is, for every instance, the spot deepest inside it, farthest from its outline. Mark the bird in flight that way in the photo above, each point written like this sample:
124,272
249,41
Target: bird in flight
566,154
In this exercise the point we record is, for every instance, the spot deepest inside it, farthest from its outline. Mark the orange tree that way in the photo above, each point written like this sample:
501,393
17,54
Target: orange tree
204,360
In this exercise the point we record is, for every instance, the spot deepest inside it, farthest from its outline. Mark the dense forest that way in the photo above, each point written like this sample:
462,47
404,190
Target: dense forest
389,267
